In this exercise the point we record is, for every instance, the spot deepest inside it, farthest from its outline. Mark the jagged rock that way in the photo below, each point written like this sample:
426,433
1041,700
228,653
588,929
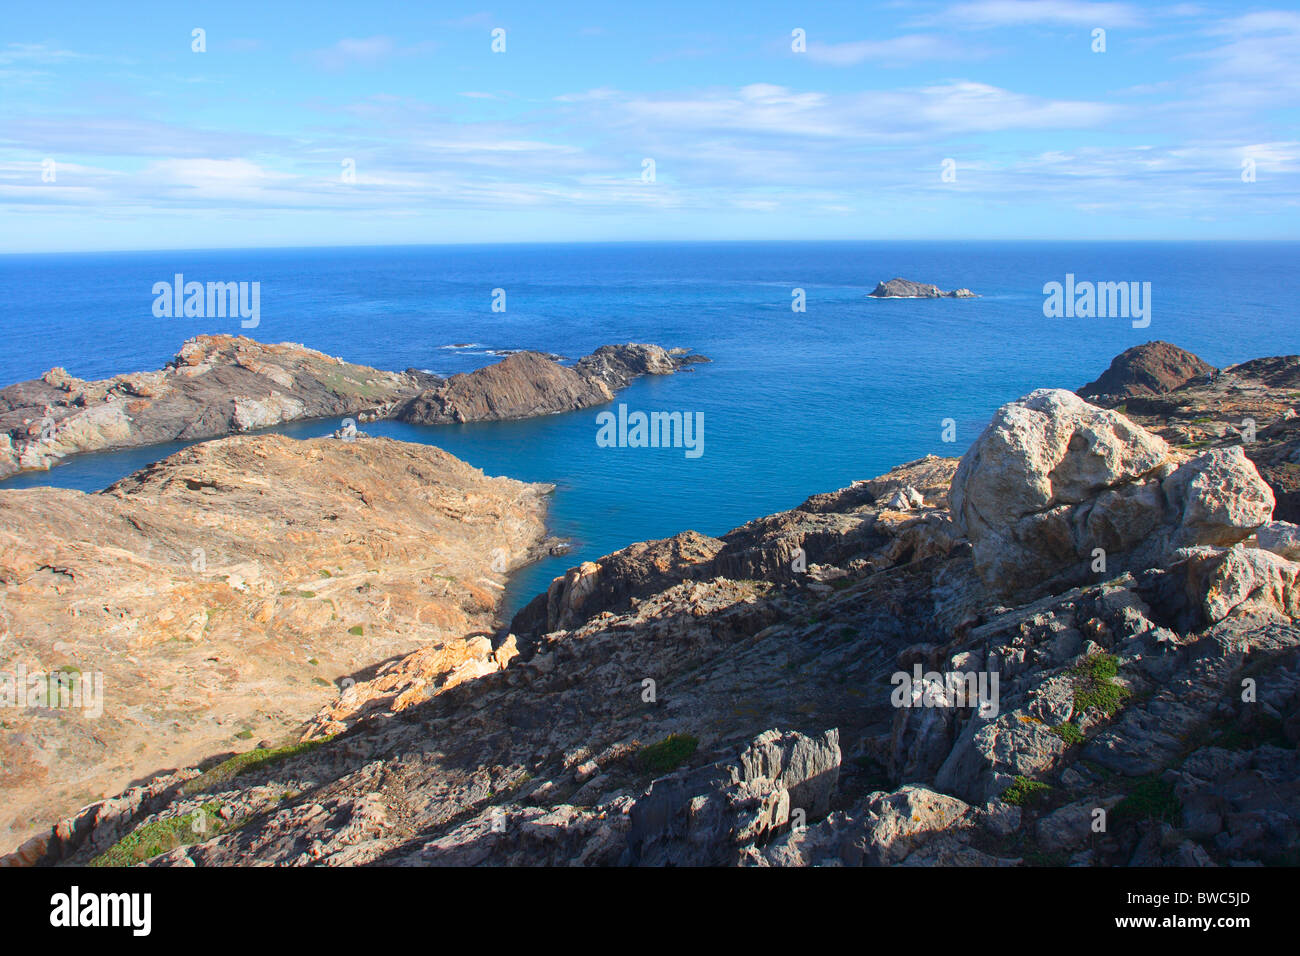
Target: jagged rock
706,817
611,583
1151,369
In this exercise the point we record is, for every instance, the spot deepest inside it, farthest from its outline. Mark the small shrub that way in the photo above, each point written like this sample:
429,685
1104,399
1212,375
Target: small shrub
1095,687
1025,791
1069,732
669,754
1150,799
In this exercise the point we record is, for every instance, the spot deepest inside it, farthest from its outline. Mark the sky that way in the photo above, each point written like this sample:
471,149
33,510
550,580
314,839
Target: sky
357,123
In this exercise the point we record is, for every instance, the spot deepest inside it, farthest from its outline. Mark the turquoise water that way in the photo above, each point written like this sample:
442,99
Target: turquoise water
793,403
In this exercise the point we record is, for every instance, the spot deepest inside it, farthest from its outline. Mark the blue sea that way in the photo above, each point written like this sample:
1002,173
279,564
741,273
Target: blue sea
794,403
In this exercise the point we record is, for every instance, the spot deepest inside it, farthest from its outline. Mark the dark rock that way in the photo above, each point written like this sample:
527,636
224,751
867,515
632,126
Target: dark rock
1151,369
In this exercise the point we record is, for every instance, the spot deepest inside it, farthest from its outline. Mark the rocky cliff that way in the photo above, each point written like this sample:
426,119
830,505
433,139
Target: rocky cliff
224,595
220,385
1077,644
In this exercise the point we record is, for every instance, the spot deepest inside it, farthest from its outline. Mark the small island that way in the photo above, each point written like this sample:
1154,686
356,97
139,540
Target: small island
907,289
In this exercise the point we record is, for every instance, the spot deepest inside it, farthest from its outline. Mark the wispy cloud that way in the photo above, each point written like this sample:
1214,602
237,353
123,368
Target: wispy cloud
1014,13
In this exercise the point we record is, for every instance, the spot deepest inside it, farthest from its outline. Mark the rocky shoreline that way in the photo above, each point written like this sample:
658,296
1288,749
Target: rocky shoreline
1075,646
219,385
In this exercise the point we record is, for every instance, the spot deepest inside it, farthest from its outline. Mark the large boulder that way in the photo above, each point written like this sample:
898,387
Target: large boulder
1017,487
1054,484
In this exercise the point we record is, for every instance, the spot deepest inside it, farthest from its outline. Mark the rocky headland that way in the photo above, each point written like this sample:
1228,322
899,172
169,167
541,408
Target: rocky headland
227,593
220,385
907,289
1075,645
529,384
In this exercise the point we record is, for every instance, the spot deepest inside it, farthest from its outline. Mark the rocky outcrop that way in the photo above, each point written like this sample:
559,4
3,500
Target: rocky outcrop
907,289
216,385
528,384
939,702
714,816
223,595
220,385
1250,405
1151,369
1056,490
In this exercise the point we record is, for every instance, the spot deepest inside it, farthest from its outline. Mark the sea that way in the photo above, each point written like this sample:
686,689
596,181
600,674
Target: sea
812,383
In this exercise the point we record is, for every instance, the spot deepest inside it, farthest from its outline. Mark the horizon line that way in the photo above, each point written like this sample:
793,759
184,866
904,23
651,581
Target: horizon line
628,242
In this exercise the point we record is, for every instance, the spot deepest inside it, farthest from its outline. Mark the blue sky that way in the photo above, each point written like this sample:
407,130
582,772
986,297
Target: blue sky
152,145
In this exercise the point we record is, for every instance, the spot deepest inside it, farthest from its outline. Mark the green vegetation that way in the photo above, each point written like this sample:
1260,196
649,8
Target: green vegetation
669,754
255,759
1069,732
160,836
355,630
1150,799
1025,791
1095,687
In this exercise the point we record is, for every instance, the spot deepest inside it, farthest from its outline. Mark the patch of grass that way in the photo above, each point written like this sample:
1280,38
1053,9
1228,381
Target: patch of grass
1025,792
1069,732
324,573
1150,799
255,759
1095,687
160,836
356,630
243,735
669,754
301,594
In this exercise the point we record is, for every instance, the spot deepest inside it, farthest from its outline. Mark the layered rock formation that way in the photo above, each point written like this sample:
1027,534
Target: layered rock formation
225,594
220,385
928,668
907,289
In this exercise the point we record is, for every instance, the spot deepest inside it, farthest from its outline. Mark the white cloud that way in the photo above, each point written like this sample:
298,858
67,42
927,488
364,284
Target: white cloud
1015,13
